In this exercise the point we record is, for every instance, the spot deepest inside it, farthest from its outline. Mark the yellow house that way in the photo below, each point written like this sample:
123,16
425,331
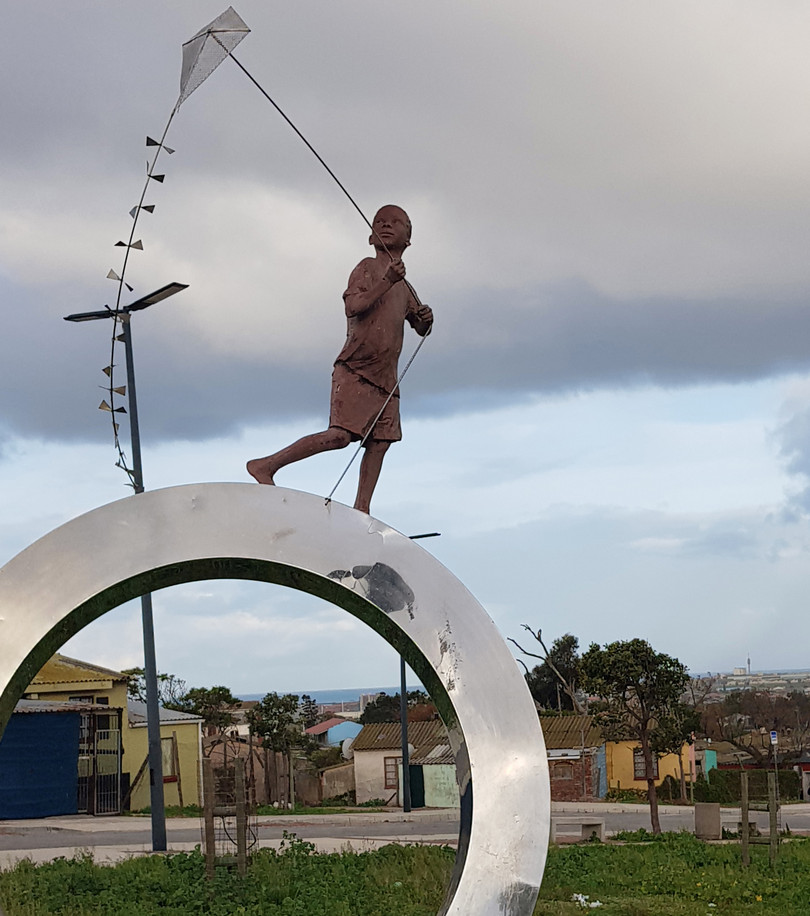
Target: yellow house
181,767
625,765
69,680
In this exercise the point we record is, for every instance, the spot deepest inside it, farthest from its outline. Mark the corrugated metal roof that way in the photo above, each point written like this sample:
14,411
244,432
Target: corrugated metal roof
383,736
136,713
63,670
322,727
46,706
440,754
570,732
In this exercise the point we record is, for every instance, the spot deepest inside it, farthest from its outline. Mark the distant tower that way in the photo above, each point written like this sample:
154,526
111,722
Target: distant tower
749,664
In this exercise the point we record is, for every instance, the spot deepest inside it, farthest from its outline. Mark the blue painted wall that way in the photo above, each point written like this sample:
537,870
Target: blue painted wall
601,787
39,757
338,733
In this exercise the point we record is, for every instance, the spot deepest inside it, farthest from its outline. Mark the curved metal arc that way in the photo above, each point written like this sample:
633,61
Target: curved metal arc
160,538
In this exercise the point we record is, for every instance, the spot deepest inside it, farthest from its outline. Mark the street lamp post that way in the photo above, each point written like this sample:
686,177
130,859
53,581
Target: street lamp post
403,712
149,663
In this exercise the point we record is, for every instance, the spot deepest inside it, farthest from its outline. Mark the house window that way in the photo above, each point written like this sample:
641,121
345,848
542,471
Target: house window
563,771
639,771
392,772
167,752
81,699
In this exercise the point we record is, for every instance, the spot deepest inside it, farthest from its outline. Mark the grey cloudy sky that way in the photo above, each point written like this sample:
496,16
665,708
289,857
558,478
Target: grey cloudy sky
611,208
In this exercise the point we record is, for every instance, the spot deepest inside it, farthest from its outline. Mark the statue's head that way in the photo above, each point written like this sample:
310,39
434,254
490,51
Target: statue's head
392,225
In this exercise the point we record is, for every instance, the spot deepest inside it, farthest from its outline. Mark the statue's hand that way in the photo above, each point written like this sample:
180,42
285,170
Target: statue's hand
395,272
425,315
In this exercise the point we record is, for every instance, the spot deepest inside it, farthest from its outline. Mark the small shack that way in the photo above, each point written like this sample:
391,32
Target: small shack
55,758
577,765
378,764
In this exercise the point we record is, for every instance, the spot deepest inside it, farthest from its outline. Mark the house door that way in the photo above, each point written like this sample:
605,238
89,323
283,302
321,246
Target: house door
417,787
108,771
99,783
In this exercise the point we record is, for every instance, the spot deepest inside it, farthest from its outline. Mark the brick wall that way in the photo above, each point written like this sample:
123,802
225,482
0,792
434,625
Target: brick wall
573,779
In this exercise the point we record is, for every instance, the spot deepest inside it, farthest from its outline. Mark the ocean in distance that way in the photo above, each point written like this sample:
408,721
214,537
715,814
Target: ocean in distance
349,695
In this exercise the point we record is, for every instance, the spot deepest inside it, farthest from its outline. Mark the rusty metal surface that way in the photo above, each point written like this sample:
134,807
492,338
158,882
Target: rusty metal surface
202,531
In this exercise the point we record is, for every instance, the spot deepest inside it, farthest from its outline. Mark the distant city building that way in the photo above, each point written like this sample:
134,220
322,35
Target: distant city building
767,682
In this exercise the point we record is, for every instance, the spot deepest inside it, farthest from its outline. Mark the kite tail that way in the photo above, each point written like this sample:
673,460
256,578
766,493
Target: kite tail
129,246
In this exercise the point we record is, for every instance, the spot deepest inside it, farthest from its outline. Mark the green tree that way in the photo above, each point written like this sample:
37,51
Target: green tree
275,719
170,687
672,731
554,682
744,718
640,692
215,705
309,711
386,707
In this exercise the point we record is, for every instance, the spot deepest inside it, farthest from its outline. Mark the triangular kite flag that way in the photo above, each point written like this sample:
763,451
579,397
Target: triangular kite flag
151,142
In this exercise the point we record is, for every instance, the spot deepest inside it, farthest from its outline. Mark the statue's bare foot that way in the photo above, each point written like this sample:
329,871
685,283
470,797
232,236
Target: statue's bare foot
260,473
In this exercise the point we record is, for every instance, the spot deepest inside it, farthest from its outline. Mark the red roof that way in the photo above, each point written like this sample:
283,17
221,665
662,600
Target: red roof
322,727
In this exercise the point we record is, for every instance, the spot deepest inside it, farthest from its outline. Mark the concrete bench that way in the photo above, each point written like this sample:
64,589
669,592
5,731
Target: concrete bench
584,828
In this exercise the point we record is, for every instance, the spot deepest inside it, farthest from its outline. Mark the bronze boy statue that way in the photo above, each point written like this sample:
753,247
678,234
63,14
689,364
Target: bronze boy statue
378,303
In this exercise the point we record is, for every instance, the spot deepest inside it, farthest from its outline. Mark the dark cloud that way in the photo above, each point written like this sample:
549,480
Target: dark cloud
570,337
521,147
489,349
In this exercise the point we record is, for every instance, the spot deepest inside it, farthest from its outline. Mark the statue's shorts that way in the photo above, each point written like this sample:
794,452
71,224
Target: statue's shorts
355,404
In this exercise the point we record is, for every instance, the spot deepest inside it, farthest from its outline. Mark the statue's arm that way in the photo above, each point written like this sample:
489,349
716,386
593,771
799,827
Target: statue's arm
362,292
420,317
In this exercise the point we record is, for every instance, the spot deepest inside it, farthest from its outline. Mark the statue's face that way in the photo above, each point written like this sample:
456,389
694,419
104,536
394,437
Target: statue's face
391,224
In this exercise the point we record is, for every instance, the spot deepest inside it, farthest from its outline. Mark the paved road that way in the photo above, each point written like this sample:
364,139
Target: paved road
113,838
186,831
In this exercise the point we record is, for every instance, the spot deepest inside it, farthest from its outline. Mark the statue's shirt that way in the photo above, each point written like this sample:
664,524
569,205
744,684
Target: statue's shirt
374,338
365,371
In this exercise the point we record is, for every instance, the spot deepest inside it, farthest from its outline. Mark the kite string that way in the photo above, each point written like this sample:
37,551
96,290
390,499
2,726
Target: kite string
356,206
315,153
309,146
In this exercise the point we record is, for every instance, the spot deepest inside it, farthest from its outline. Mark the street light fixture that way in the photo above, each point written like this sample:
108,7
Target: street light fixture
149,664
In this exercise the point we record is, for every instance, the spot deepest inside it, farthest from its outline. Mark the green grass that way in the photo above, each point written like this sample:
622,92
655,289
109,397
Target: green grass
295,882
677,875
673,876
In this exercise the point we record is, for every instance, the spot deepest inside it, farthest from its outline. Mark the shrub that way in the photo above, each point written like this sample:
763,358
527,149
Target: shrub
724,785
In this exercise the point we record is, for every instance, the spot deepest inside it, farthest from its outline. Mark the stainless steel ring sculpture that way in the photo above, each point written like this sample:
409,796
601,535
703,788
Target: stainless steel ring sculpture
242,531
